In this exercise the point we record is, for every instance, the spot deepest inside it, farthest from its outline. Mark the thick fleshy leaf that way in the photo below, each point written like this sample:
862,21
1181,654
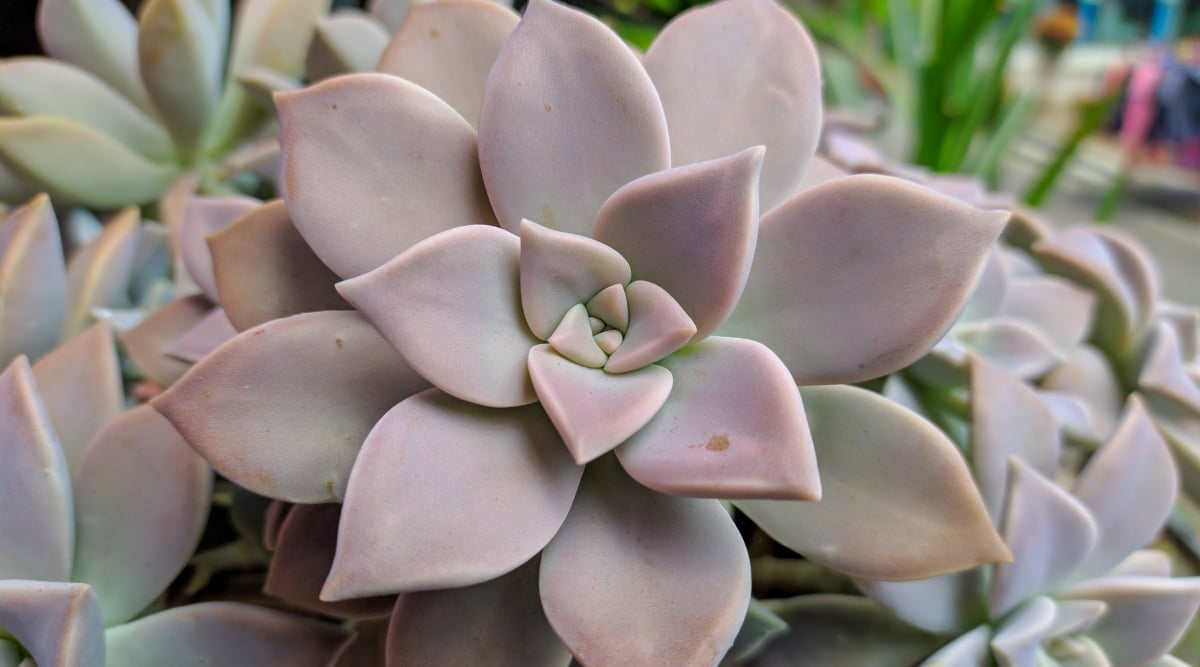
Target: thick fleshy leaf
1015,347
203,217
574,339
346,41
448,494
227,634
1018,641
283,409
593,410
304,547
906,257
568,116
897,499
560,270
264,270
452,306
146,343
209,334
1128,487
732,427
35,486
1050,534
57,623
449,48
498,622
99,36
658,326
415,169
10,653
33,281
1087,374
611,306
1075,616
1008,419
274,34
681,559
1146,615
690,230
1163,372
80,384
98,276
141,500
180,55
942,605
761,626
739,74
969,650
80,164
819,171
1143,563
1059,309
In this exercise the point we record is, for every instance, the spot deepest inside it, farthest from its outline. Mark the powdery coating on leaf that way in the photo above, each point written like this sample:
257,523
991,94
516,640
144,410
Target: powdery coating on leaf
58,623
203,217
99,36
147,342
282,409
658,326
98,275
1019,638
208,334
1146,615
33,282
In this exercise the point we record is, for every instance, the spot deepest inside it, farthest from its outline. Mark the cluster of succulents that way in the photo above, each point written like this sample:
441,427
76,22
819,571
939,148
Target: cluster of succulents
544,350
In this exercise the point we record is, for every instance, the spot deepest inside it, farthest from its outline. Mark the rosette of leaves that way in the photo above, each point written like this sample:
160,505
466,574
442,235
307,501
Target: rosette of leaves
100,510
123,106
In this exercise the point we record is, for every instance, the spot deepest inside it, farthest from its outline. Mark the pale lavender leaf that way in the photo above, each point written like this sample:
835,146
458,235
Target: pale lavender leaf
99,36
57,623
1057,308
347,41
98,276
1143,563
568,116
680,558
203,217
147,342
282,409
407,525
575,340
1087,374
1075,616
1015,347
969,650
1018,641
658,326
819,171
1076,651
33,281
986,299
1163,371
941,605
208,334
1146,615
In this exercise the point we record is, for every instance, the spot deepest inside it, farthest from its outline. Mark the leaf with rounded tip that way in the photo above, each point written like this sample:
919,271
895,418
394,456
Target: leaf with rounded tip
611,306
1058,309
1087,374
79,164
203,217
57,623
681,559
180,55
1143,563
209,334
498,622
1018,642
594,411
968,650
283,409
36,515
732,427
560,270
690,230
229,634
146,343
1072,617
843,631
449,48
304,548
897,499
346,41
415,169
568,116
99,36
574,340
1146,615
658,326
452,306
905,257
33,281
80,385
33,86
1128,487
1016,347
739,74
1008,419
98,276
274,34
1163,371
943,605
264,270
141,501
446,493
1050,534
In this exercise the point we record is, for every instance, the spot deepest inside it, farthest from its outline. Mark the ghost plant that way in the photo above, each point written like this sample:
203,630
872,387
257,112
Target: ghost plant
124,107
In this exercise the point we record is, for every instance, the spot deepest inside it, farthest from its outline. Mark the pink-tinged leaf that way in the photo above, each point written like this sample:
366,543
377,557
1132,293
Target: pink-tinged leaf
448,494
568,116
99,36
1163,372
942,605
860,276
574,339
594,411
80,384
208,334
1087,374
1058,309
611,306
1128,487
449,48
969,650
1146,615
690,230
560,270
98,275
265,270
57,623
732,427
897,499
1008,419
415,169
36,515
452,306
304,547
1050,534
33,282
146,343
680,559
203,217
1018,642
229,634
141,500
282,409
658,326
498,622
739,74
